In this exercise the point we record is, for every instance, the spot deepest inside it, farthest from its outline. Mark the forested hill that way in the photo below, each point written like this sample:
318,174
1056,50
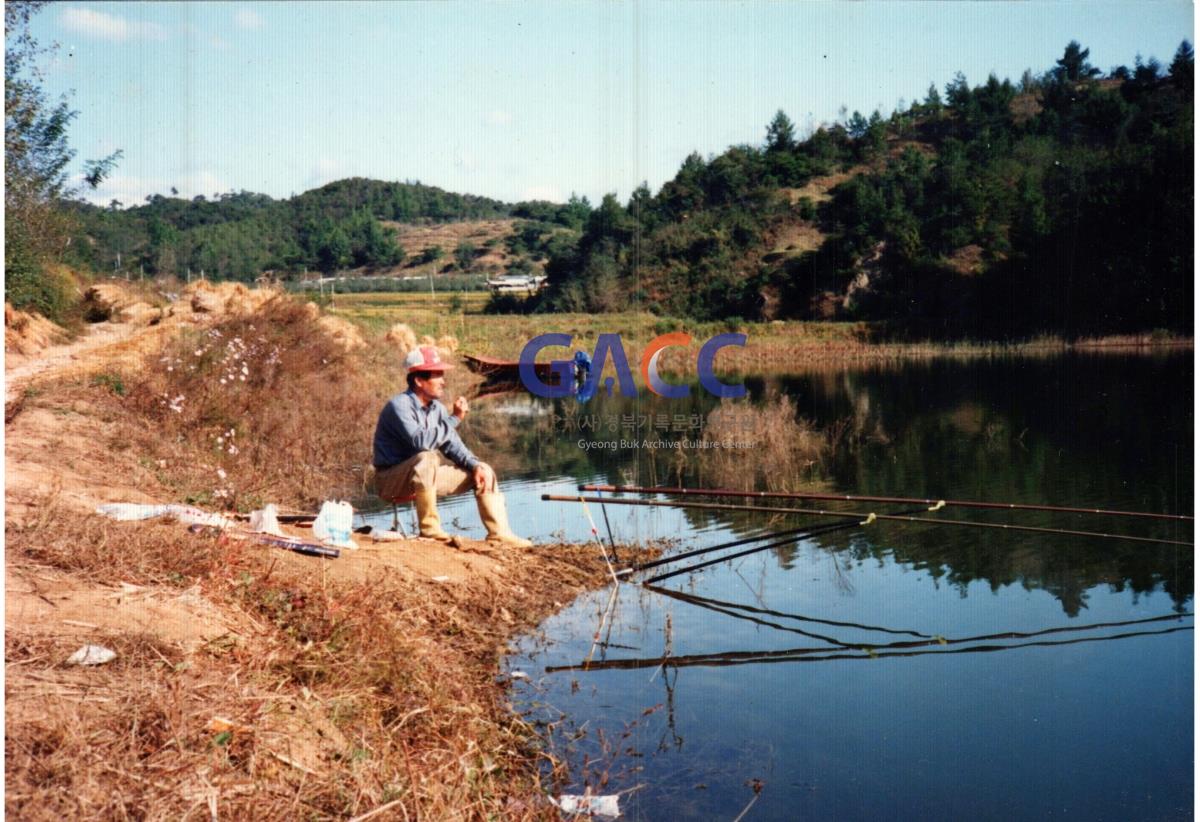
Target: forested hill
239,235
1062,203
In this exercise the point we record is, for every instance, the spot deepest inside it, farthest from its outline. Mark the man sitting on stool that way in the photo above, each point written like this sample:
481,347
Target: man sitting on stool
419,454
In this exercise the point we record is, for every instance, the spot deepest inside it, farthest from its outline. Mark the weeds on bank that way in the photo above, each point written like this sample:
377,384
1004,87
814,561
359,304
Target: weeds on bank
389,685
258,408
398,672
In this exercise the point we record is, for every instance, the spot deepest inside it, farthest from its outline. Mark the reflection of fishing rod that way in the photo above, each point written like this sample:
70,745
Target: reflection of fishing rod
720,605
728,658
869,517
1008,506
924,639
811,532
654,563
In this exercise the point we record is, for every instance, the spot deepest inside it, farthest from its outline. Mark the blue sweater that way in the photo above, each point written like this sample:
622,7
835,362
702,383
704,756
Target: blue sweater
406,428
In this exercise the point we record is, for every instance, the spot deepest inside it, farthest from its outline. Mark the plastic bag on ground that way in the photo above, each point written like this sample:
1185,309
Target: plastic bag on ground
334,523
135,511
92,655
266,521
132,511
600,805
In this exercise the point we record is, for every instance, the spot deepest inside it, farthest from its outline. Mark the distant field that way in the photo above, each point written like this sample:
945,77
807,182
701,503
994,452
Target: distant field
777,346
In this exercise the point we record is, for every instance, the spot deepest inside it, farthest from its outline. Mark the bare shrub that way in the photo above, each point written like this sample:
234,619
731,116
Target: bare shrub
264,407
784,451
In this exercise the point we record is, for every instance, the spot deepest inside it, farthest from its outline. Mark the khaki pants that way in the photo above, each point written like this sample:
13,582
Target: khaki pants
428,469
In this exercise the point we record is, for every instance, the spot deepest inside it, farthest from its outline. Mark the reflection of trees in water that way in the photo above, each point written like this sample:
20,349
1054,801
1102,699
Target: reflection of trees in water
1073,430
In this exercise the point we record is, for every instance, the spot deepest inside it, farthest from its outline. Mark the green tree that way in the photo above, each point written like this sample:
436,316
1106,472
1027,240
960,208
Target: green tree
857,125
1073,65
1182,68
958,94
333,248
781,133
933,100
36,159
464,255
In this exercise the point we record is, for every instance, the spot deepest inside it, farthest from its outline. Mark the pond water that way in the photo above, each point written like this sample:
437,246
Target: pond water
1028,675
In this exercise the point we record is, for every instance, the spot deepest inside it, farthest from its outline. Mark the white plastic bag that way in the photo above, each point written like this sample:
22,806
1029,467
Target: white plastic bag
334,523
598,805
92,655
186,514
266,521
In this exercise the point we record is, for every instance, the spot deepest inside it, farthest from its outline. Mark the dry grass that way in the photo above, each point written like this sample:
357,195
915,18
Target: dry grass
786,451
492,258
240,413
326,696
779,346
341,698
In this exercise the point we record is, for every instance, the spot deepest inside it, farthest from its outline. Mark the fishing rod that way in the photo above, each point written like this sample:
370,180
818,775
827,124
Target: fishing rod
1008,506
870,517
837,526
654,563
812,532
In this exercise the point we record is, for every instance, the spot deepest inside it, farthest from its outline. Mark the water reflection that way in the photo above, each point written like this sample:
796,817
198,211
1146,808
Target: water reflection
1075,430
686,697
728,658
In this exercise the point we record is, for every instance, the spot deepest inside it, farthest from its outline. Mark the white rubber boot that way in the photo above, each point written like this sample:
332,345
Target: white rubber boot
495,518
428,520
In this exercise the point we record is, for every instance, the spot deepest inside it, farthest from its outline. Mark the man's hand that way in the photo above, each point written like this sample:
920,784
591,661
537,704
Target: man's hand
485,478
460,408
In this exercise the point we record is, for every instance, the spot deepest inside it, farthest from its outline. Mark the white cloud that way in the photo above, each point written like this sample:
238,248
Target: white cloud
109,26
132,190
498,117
544,192
249,19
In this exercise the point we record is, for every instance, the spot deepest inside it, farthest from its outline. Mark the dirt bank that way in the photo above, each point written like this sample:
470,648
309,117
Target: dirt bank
249,682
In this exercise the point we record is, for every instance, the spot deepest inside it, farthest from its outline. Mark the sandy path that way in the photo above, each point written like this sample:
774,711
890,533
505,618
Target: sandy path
81,354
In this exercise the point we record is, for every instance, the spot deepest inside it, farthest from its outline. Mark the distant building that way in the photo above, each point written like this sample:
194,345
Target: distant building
514,284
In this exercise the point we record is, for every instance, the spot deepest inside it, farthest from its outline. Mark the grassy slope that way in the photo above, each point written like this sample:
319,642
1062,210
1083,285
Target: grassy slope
251,680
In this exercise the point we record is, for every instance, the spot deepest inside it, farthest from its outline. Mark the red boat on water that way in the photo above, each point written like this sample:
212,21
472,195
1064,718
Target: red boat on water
495,368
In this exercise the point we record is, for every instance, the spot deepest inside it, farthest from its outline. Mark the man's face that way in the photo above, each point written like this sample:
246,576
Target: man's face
430,386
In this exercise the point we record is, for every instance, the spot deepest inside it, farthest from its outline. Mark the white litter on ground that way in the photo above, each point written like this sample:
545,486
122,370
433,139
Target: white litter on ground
387,536
92,655
266,521
134,511
600,805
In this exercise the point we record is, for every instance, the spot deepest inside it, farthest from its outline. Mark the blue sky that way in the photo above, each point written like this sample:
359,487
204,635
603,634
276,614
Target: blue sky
519,101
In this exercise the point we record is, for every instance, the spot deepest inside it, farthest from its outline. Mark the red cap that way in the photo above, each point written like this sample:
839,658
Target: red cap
425,358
